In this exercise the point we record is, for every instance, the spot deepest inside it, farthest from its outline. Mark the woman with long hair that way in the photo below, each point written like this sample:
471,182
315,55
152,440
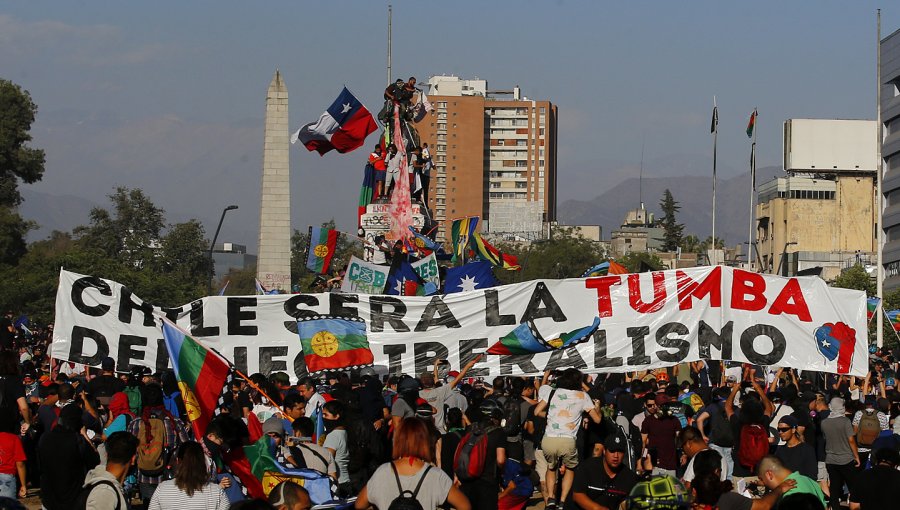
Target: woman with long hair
411,470
191,488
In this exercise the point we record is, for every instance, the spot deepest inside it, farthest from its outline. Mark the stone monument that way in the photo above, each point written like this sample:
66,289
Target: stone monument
274,264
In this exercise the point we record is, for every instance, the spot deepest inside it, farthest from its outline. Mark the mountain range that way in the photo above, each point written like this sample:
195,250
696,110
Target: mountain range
693,194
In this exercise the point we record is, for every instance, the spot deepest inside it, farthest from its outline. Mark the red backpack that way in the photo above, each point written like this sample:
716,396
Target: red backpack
468,462
754,445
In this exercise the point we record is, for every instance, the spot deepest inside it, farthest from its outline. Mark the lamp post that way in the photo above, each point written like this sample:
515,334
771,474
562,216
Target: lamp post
213,244
784,256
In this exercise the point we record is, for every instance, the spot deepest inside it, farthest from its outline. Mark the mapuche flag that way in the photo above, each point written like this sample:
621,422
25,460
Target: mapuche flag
334,343
343,127
201,375
526,339
322,243
871,307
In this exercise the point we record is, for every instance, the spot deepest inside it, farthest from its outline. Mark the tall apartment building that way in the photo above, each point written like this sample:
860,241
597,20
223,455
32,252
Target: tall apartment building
890,151
495,157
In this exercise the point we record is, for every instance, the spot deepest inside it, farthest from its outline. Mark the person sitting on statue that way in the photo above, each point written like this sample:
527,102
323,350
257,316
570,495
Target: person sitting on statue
416,164
404,98
390,99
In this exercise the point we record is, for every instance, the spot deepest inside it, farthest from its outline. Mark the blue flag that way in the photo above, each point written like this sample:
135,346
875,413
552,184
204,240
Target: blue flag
403,281
471,276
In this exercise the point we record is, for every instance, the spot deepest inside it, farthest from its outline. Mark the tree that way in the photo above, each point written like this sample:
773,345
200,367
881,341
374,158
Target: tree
347,246
131,234
707,243
637,261
18,162
673,229
690,244
567,255
856,278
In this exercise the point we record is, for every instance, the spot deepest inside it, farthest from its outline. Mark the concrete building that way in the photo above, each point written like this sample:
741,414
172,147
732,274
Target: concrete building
890,151
822,214
637,234
495,157
274,267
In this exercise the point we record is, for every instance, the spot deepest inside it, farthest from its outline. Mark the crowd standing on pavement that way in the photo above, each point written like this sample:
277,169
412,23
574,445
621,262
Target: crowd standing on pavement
702,435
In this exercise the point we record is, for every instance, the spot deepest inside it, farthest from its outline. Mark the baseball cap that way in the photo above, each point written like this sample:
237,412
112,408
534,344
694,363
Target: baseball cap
615,442
790,421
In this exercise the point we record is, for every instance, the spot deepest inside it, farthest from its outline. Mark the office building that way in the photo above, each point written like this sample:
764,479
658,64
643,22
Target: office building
890,152
495,157
228,256
820,218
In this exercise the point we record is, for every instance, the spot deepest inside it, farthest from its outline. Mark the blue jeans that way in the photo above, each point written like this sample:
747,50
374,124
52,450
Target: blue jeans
725,452
7,486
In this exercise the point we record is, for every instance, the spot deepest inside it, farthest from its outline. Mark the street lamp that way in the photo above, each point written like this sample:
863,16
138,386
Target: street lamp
784,256
213,244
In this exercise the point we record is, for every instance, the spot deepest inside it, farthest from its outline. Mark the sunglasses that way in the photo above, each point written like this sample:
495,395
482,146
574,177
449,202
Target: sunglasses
780,429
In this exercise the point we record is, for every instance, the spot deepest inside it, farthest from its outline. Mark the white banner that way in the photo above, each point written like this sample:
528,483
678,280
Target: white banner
648,320
427,269
364,277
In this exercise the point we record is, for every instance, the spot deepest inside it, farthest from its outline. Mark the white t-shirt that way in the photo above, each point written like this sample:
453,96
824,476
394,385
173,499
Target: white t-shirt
689,470
564,410
382,487
337,441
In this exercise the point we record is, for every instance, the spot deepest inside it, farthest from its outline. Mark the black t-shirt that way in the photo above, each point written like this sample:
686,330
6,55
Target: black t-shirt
591,479
800,458
878,488
105,386
540,425
13,390
449,443
6,336
496,439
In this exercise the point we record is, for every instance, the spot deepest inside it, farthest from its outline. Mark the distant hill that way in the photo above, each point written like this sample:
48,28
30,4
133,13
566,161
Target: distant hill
694,195
52,212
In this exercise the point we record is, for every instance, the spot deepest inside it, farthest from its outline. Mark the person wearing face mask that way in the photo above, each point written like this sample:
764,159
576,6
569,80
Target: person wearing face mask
220,433
337,442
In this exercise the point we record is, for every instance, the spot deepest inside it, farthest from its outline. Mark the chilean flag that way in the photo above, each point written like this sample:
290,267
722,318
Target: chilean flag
344,126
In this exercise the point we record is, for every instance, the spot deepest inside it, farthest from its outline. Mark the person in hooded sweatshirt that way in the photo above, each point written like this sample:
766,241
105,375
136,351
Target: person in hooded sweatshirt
105,481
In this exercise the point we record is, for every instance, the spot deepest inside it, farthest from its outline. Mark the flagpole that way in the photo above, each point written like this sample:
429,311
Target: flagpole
752,188
715,130
879,233
390,13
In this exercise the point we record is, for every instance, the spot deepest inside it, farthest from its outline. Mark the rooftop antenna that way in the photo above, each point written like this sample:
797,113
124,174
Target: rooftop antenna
641,176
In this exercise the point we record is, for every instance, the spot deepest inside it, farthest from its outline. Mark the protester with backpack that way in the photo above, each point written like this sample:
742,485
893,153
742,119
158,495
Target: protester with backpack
103,485
159,434
409,481
868,424
750,426
119,415
480,452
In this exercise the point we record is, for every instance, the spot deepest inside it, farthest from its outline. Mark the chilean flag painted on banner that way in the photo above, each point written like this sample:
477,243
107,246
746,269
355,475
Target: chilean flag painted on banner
343,127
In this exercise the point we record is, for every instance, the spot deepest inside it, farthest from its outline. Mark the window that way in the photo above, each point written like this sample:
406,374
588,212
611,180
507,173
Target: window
542,132
543,110
500,142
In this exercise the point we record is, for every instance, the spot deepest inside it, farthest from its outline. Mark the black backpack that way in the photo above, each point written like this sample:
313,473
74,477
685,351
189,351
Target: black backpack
81,500
407,500
512,414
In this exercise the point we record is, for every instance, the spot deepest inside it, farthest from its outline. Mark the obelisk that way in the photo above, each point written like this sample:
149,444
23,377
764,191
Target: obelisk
274,264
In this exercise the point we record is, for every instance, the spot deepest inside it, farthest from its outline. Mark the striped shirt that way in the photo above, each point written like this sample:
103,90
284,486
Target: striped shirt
168,495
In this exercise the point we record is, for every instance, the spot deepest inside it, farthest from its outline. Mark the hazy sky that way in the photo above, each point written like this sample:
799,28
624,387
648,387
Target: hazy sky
169,96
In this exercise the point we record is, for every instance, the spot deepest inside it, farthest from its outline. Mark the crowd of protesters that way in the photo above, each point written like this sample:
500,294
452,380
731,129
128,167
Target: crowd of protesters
702,435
